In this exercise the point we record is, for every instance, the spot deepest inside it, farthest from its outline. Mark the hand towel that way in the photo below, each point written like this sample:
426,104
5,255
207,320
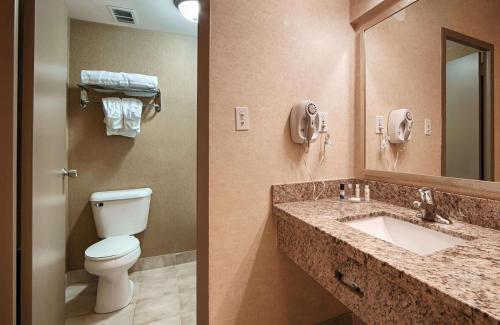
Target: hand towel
113,114
132,111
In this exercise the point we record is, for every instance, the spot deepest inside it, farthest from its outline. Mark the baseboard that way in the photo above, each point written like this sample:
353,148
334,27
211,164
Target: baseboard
79,276
143,264
154,262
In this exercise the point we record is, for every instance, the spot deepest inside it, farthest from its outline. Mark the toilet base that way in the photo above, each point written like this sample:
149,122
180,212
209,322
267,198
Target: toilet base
113,293
114,289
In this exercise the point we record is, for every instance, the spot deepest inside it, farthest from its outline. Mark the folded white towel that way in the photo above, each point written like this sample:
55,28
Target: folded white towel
119,79
122,116
124,133
113,114
132,110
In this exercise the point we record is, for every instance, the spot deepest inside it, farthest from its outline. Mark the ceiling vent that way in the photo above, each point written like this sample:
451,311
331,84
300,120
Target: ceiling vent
123,15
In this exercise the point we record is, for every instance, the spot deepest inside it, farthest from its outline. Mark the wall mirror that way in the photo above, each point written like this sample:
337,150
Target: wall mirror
432,92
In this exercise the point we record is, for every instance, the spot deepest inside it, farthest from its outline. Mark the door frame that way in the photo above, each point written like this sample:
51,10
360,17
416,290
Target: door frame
8,168
26,90
448,34
202,157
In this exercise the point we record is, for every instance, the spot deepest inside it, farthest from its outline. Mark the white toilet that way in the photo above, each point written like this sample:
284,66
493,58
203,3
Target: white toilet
118,216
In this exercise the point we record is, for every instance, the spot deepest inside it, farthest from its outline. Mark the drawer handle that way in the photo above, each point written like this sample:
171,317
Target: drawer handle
351,285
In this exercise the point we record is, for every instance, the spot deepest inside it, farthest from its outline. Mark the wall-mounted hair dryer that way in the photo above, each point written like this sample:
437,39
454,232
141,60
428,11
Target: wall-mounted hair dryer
399,126
304,122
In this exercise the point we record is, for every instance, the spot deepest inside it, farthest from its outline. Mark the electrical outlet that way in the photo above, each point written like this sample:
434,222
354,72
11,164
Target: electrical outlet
242,118
427,126
379,124
323,122
328,139
384,143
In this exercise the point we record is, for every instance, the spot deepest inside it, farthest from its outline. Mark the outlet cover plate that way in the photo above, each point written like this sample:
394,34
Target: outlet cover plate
427,126
323,122
379,124
242,118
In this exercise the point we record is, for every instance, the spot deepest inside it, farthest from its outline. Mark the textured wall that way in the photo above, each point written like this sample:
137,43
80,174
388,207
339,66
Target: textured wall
404,70
267,57
161,157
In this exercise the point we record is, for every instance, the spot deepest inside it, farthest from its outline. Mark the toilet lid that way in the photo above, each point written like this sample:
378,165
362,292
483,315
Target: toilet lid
112,247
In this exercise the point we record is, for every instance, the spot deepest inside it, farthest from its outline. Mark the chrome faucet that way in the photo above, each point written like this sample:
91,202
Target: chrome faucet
427,208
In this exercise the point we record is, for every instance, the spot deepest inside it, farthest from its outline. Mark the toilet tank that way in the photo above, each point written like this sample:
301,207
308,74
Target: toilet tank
123,212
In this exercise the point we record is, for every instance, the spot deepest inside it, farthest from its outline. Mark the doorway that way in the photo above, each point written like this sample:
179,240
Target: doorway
42,301
467,109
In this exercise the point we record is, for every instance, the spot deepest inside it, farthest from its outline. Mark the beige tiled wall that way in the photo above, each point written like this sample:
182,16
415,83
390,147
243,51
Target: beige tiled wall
267,57
163,156
404,70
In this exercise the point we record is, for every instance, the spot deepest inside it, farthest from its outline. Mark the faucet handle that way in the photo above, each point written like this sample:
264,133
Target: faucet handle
426,195
417,204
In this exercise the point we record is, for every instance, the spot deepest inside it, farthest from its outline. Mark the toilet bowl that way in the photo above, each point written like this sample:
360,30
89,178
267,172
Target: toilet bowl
110,260
118,216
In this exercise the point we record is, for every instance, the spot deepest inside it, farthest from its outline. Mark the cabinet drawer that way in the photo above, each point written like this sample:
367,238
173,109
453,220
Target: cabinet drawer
351,274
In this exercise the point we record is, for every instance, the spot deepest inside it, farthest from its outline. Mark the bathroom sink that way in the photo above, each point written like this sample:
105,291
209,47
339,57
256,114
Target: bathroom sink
415,238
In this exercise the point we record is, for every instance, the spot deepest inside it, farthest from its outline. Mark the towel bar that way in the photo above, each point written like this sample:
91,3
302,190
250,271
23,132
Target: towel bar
84,103
141,93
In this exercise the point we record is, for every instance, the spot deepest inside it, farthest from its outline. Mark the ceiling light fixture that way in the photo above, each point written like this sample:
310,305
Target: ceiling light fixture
189,9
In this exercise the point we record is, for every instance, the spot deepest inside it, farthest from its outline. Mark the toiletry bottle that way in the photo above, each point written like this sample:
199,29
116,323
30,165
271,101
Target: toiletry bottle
367,193
342,192
349,190
357,191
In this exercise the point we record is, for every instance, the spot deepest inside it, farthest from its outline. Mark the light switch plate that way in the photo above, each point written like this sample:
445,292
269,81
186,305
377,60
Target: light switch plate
323,122
242,118
379,124
427,126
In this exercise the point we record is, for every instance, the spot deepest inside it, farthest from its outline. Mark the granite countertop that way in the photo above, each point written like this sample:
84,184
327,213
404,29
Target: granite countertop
465,276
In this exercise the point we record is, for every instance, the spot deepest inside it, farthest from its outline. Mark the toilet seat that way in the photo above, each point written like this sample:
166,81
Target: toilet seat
112,248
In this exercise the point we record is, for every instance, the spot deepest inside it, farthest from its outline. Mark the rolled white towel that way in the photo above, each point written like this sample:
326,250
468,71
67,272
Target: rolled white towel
103,78
141,81
113,114
119,80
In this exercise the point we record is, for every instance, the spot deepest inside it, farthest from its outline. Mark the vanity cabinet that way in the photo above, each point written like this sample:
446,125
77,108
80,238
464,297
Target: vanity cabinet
347,275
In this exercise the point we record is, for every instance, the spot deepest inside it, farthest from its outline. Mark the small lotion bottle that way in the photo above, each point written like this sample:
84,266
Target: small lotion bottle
367,193
342,192
349,190
357,191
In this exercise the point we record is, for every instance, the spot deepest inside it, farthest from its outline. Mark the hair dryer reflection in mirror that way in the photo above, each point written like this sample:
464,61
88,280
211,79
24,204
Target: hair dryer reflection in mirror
399,130
399,126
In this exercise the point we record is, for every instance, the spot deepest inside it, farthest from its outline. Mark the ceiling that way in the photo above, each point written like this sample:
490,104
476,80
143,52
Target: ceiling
158,15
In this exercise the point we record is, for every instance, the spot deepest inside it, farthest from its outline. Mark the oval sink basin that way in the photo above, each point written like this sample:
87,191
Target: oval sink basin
415,238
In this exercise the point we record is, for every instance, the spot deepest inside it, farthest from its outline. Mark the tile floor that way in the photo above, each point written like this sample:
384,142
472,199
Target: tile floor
164,295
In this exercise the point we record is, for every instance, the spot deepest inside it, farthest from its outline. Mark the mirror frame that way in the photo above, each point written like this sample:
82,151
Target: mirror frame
476,188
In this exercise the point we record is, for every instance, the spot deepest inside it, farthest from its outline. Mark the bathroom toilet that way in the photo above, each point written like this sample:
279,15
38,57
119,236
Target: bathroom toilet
118,216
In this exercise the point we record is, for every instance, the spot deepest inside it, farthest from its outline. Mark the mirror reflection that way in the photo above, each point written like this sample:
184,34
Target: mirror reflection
430,90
